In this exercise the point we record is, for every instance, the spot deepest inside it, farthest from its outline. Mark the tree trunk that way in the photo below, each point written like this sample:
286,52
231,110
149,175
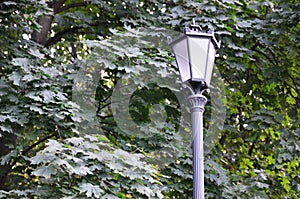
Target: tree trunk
42,35
45,23
5,140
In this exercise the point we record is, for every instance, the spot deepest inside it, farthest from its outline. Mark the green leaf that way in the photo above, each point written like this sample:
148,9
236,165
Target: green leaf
15,77
290,100
6,129
8,3
6,158
42,158
44,171
23,62
47,96
143,190
36,53
91,190
103,138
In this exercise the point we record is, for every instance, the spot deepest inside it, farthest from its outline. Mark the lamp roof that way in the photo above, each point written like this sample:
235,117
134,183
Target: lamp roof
195,31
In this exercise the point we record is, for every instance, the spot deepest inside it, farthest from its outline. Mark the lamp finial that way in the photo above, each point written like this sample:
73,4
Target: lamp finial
193,27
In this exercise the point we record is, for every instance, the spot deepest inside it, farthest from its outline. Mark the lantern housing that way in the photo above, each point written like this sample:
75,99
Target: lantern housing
195,55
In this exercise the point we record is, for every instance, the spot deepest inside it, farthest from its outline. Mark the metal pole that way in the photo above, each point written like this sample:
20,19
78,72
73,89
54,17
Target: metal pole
197,102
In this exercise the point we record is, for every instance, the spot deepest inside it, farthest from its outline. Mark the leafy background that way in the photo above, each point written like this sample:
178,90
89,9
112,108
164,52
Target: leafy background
45,155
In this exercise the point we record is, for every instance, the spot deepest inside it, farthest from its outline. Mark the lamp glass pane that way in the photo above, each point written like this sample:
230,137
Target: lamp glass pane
210,63
198,53
180,50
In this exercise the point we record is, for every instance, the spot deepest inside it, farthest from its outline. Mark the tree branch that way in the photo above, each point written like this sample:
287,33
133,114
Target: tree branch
74,5
57,5
60,34
31,147
73,50
104,117
255,45
222,140
9,167
37,143
102,107
250,152
266,56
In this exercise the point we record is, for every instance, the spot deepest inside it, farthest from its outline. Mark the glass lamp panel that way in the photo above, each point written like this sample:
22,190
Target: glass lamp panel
198,53
180,50
210,63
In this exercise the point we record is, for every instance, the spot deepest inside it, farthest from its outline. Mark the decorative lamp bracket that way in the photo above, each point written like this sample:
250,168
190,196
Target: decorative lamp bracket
196,100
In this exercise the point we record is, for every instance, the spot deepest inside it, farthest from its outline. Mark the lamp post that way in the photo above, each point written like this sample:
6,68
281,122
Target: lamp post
195,55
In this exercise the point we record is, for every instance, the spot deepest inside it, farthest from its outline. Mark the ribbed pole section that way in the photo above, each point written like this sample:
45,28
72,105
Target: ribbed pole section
197,103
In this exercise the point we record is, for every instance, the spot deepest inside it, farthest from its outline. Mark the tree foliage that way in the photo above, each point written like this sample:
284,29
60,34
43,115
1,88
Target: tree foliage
45,45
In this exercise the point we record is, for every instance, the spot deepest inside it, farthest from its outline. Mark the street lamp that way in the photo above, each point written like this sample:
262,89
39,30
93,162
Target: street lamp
195,56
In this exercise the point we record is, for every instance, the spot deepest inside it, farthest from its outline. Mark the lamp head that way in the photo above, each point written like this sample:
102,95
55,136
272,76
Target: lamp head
195,54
